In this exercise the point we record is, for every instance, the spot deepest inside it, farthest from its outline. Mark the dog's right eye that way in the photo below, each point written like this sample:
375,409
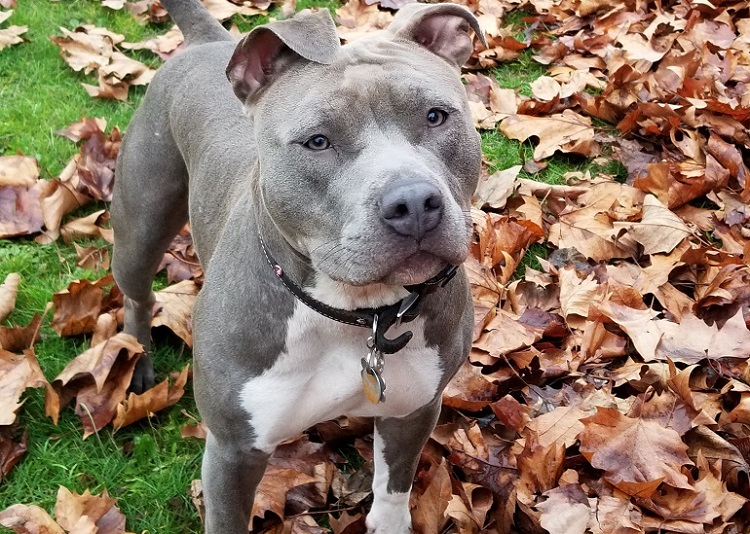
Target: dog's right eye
317,142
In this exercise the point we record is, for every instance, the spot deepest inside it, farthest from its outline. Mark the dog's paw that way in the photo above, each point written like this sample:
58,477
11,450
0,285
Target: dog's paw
143,376
389,517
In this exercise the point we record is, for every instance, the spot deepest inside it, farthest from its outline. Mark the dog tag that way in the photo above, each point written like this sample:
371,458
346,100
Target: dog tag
372,383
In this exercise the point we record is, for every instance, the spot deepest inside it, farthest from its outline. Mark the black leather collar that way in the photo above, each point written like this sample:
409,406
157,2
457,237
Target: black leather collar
404,311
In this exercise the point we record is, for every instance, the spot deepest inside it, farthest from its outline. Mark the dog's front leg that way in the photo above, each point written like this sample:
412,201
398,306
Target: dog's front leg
230,476
397,446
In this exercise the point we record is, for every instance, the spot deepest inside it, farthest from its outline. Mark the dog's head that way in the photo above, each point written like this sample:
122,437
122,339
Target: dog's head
367,153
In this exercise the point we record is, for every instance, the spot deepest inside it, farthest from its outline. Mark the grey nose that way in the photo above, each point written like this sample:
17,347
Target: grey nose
412,208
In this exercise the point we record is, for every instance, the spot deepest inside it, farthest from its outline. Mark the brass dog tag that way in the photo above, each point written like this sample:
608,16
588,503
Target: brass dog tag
372,383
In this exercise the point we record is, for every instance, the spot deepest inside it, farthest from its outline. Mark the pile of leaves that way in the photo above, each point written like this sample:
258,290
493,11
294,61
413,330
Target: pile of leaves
608,388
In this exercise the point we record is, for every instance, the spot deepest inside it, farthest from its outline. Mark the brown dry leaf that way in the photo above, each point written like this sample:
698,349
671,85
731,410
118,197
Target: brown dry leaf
12,449
298,477
348,524
430,495
8,293
98,379
19,338
469,389
181,260
496,189
636,455
659,230
164,46
613,515
59,198
174,309
504,334
20,196
355,19
566,510
90,226
161,396
78,307
92,258
12,34
17,372
688,342
564,132
88,513
222,10
577,295
87,48
29,519
83,129
18,171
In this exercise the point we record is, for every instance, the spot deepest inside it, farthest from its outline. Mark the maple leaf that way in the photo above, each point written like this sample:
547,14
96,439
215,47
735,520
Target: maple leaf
78,307
137,407
12,34
564,132
164,46
430,495
659,229
76,512
614,515
636,455
566,510
29,519
16,374
174,309
8,293
12,449
98,379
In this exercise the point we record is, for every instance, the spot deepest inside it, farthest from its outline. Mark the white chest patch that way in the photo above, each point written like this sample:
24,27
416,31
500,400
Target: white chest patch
317,378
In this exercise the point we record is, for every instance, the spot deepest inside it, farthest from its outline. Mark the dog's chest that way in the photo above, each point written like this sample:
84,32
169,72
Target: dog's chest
317,378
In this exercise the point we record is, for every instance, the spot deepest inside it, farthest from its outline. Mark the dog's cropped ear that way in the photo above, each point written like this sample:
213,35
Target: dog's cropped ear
441,28
265,51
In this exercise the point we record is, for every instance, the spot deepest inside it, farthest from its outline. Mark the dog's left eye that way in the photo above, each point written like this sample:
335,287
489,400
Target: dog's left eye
317,142
436,117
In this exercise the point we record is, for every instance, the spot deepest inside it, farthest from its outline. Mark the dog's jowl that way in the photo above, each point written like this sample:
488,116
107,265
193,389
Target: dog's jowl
328,190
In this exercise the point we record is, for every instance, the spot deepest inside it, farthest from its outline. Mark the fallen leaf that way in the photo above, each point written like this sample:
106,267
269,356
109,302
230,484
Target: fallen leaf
17,372
12,449
174,309
634,453
137,407
565,132
29,519
8,293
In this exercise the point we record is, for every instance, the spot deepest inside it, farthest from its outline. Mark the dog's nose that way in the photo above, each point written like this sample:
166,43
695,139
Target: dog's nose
412,208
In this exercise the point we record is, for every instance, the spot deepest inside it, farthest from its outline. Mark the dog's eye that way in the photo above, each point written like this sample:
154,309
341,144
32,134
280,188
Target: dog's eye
317,142
436,117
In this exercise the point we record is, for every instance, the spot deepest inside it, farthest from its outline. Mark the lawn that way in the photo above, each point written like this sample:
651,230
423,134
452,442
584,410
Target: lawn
149,466
610,298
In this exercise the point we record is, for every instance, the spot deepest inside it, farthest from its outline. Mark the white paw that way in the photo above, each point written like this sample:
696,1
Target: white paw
389,515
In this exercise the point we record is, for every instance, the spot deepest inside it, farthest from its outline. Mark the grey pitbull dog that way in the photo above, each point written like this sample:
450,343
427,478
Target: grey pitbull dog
328,189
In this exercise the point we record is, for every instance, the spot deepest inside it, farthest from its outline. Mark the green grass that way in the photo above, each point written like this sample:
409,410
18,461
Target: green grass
148,466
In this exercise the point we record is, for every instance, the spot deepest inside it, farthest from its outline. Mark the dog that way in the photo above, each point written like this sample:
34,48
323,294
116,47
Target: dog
328,189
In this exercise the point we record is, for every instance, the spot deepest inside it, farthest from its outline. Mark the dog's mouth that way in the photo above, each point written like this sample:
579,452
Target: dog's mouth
415,269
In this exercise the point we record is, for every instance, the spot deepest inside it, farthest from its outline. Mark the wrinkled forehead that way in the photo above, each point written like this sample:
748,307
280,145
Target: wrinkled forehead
375,77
